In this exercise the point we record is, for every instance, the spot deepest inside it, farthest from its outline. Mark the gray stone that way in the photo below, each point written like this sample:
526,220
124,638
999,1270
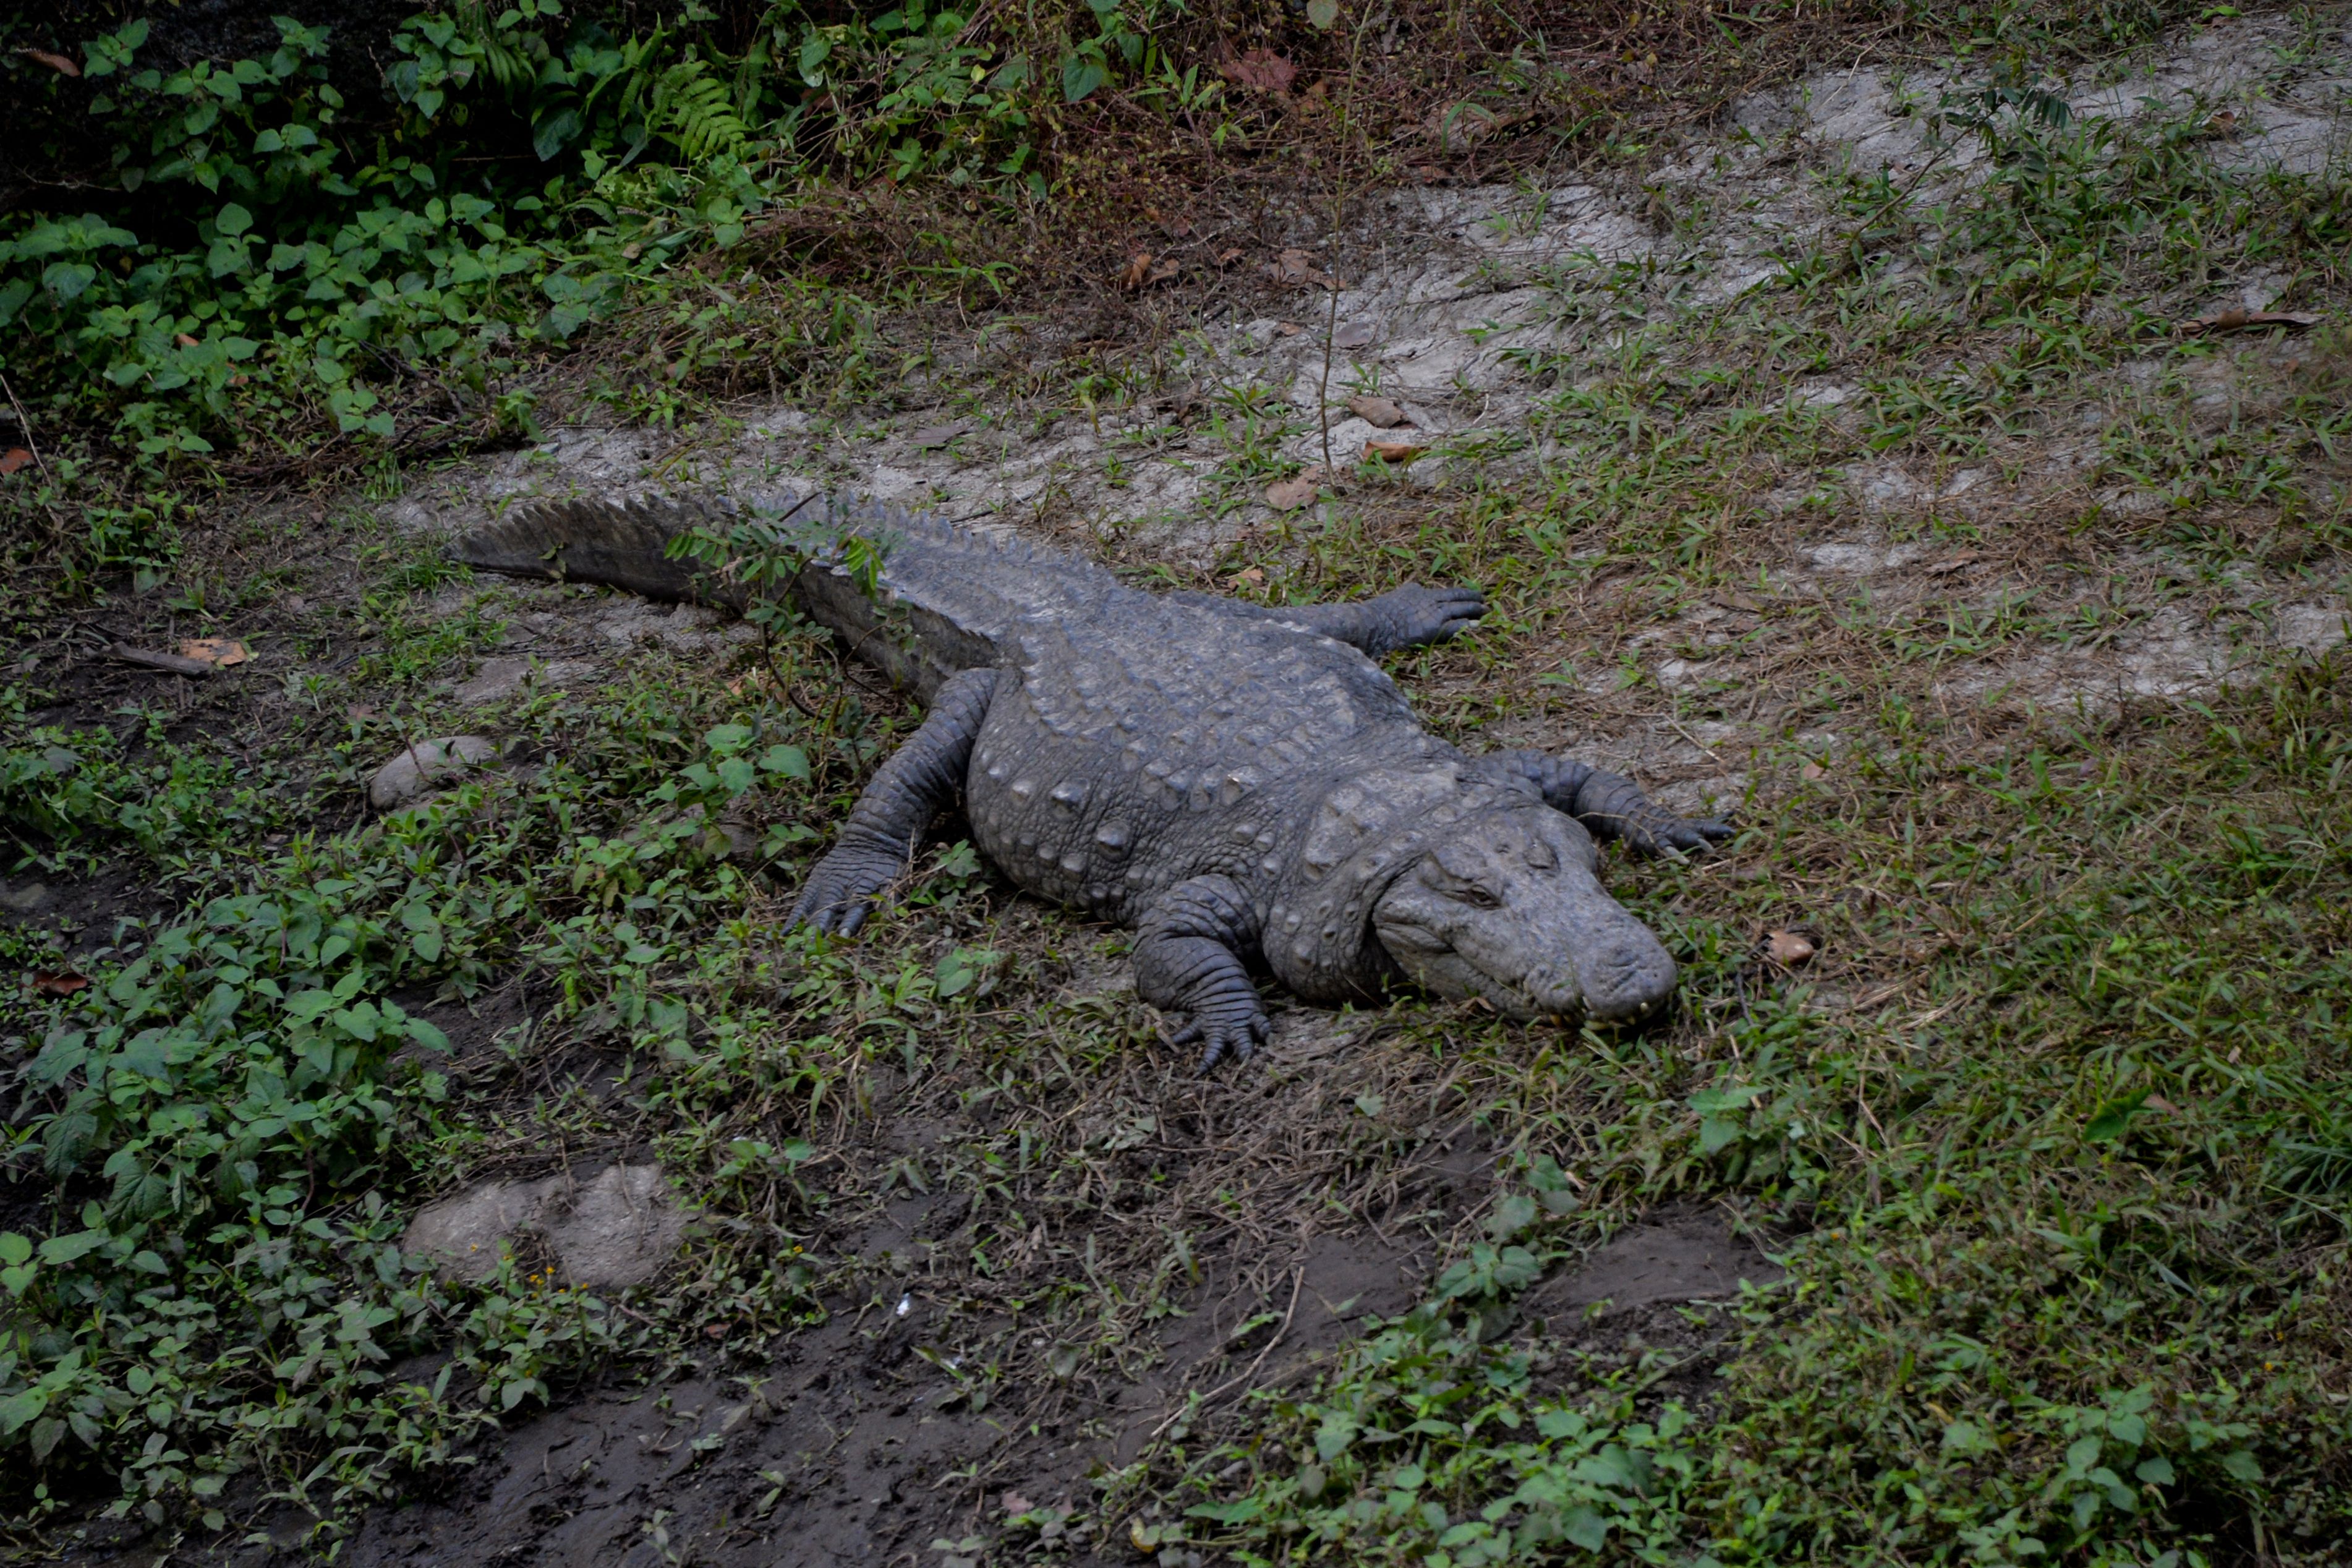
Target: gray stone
617,1228
425,765
932,436
498,679
24,898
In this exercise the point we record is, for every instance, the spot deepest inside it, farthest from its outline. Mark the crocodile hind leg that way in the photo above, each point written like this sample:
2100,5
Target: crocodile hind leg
1610,805
1188,959
919,781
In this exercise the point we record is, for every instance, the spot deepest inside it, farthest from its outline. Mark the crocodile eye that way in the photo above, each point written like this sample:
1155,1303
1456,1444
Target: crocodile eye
1477,898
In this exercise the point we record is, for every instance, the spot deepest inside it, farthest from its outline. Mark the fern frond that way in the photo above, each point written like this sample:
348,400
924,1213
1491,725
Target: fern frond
695,110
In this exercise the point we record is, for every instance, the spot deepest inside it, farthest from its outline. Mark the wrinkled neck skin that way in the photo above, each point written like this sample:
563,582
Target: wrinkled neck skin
1506,907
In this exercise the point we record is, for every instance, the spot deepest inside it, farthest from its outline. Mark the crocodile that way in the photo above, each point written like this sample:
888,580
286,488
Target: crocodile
1241,785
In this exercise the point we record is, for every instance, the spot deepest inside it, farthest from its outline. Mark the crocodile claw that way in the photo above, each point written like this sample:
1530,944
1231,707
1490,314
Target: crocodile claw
1677,834
840,892
1222,1034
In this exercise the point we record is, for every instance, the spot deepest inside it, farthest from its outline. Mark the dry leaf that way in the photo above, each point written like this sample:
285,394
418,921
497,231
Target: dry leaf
1731,601
1812,772
1393,451
2238,321
932,436
59,981
1378,412
1227,257
1259,70
1289,495
1139,267
17,457
218,652
361,710
1787,948
1254,575
1013,1502
58,63
1951,563
1296,266
1354,336
184,341
1462,126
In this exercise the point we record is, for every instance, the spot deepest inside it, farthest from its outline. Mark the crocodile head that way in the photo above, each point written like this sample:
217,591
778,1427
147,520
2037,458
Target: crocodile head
1507,908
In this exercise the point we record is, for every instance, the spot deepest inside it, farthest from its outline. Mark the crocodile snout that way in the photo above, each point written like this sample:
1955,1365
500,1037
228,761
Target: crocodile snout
1510,911
1620,976
1625,975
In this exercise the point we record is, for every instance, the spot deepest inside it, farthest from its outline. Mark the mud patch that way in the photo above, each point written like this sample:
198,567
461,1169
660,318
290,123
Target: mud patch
1671,1259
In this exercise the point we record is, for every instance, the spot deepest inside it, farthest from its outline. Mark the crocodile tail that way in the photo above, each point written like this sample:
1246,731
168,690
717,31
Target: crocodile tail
622,544
951,593
981,579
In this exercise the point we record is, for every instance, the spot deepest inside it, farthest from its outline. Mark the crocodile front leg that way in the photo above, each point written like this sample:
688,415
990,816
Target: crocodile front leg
1188,959
917,782
1610,805
1402,617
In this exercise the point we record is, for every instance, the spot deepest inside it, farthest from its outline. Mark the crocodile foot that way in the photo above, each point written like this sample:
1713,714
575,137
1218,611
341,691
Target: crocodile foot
1413,614
1225,1030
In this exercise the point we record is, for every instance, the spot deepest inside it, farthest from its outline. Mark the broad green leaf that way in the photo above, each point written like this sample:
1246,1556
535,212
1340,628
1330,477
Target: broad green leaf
1585,1528
1081,74
2111,1119
955,973
556,132
67,1248
21,1407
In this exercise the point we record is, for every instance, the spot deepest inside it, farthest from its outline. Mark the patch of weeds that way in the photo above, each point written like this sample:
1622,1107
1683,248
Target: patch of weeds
225,1118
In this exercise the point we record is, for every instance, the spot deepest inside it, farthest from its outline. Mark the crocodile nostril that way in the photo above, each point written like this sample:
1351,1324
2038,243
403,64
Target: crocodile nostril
1554,989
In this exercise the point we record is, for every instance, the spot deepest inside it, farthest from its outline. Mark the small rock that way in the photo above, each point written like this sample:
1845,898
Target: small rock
424,766
500,679
742,843
932,436
27,898
618,1228
497,680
